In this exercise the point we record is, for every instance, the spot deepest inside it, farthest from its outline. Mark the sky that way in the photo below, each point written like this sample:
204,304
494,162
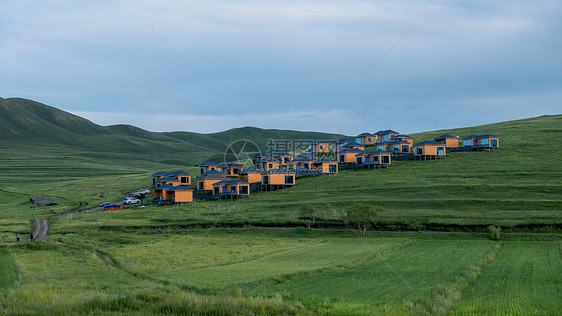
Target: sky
332,66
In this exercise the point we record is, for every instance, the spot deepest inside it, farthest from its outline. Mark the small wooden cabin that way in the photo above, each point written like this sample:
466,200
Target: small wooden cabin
429,149
386,135
208,166
482,140
303,162
327,166
230,169
159,191
374,157
353,145
319,146
278,177
283,157
450,141
250,175
179,194
409,140
268,164
348,155
206,181
182,176
366,139
401,146
167,180
234,188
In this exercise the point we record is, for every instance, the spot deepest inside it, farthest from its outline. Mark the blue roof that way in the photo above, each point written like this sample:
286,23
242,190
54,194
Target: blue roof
446,136
325,160
388,131
217,175
212,172
229,164
179,188
231,182
352,144
167,179
160,173
250,170
268,160
208,163
165,186
393,142
401,136
373,152
365,134
277,171
351,150
429,142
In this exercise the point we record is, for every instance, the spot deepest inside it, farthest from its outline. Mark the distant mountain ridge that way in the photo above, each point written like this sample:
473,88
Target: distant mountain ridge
24,121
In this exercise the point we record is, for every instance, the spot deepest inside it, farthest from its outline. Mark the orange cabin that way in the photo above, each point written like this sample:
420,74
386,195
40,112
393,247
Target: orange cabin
320,147
159,191
206,181
450,141
327,166
278,177
303,162
167,180
231,188
374,157
208,166
250,175
283,157
179,194
482,140
405,138
268,164
348,155
182,176
353,145
230,169
366,139
338,144
386,135
429,148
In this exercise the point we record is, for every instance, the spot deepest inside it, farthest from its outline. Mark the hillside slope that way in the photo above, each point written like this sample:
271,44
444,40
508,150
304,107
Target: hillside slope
38,125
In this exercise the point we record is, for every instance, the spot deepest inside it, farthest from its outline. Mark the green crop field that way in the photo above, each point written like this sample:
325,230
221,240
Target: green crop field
428,250
524,279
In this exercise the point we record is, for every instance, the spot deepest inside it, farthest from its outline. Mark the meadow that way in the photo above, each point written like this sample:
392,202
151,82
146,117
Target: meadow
428,252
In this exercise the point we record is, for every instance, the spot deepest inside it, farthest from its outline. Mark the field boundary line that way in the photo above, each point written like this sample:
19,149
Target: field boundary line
444,296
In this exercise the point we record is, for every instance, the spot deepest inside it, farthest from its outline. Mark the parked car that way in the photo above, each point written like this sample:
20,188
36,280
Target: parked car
103,205
109,206
143,191
130,200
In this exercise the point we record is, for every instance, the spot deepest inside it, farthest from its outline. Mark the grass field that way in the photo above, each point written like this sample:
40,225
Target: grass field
524,279
429,247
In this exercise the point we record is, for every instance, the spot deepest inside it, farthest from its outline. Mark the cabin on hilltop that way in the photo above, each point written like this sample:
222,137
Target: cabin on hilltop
429,150
450,141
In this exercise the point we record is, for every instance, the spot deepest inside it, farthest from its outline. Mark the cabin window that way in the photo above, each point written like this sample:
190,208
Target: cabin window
200,185
494,142
419,151
236,171
405,148
289,180
233,188
381,147
358,140
202,170
305,166
440,150
484,142
385,159
369,139
342,158
216,191
184,180
467,143
212,168
359,160
385,138
270,166
321,147
376,158
396,147
244,189
265,179
333,168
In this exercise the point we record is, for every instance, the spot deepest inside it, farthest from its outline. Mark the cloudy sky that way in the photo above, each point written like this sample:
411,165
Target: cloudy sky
332,66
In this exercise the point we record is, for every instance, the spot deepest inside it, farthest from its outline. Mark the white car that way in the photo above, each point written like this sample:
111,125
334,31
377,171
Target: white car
143,191
130,200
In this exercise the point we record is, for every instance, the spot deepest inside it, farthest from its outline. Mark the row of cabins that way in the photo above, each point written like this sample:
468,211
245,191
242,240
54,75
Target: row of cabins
279,170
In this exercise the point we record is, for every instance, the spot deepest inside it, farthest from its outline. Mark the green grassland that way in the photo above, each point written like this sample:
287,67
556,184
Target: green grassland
429,251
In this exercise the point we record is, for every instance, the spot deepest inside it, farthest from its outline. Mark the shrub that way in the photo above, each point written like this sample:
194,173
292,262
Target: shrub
494,232
308,213
362,216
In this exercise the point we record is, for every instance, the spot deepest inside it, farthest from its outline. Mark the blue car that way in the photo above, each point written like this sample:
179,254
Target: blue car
109,205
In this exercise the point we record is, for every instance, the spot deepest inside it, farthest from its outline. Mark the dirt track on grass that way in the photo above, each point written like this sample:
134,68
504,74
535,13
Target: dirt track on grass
41,228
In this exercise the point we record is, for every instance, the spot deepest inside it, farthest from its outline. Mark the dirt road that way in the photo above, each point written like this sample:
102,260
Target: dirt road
41,228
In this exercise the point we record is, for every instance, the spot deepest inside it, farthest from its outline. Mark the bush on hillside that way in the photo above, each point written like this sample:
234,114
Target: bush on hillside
494,232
